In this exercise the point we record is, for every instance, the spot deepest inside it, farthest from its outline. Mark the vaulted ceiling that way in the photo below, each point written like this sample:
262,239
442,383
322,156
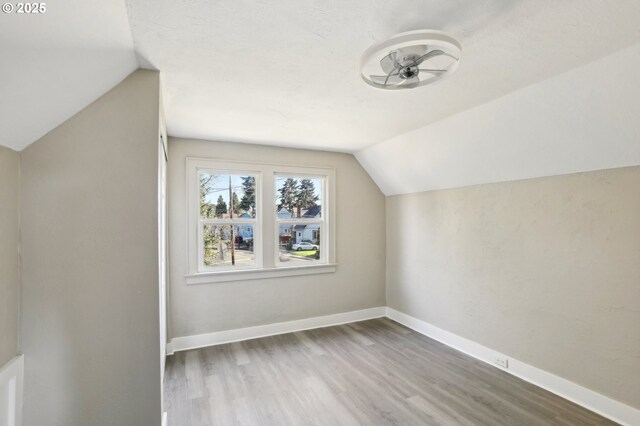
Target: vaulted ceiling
54,64
286,72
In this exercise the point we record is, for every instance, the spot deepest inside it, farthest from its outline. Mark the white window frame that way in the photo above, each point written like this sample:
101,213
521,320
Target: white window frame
222,168
323,222
266,225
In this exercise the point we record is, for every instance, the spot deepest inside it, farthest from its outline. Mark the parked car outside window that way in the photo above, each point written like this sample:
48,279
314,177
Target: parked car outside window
304,246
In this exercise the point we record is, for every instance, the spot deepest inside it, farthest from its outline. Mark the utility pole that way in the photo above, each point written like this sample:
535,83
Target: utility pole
233,234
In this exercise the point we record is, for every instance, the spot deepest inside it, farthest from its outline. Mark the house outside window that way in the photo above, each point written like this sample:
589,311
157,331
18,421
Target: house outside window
300,222
227,219
253,220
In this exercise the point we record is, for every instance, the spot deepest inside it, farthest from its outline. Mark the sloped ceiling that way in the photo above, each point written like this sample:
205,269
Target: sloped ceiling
581,120
286,72
54,64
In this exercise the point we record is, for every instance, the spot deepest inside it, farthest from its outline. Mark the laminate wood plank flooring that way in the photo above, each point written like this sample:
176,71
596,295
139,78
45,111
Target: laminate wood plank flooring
374,372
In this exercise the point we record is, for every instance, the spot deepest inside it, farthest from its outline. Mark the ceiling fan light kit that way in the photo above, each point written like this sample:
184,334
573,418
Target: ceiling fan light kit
411,59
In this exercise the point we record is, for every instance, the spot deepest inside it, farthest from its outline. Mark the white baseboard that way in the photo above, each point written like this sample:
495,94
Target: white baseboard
11,386
587,398
228,336
164,419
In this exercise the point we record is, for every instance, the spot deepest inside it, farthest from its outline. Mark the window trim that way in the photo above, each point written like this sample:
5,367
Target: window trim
266,251
259,274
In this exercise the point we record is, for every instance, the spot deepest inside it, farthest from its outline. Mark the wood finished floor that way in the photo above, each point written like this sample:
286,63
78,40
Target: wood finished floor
373,372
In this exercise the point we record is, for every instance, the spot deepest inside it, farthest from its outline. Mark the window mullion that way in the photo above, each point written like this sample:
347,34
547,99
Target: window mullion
264,229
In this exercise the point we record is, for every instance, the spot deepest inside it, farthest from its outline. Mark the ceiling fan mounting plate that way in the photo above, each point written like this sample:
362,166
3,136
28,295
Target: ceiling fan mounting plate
411,59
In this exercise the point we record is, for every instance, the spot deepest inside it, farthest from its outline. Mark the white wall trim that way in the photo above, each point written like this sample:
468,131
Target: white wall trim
587,398
11,387
228,336
566,389
256,274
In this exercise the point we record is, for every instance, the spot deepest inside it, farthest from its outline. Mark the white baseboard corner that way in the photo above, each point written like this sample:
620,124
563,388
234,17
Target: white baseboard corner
11,389
211,339
593,401
607,407
164,419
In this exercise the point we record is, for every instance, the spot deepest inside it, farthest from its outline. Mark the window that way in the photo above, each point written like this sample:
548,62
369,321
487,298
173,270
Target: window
258,220
227,219
299,219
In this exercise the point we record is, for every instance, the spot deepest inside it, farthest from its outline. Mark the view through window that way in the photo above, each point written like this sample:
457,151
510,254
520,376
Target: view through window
228,214
299,219
258,218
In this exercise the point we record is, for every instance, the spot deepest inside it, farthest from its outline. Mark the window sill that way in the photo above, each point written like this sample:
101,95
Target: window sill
258,274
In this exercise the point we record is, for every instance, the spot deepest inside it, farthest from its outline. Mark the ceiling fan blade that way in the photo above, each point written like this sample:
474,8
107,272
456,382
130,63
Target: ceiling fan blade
389,79
388,63
410,83
432,71
432,54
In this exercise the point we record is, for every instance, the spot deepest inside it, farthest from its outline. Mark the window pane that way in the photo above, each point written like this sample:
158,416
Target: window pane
298,197
300,243
223,196
218,250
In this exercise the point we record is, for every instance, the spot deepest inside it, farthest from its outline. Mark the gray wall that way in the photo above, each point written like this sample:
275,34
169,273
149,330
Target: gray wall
358,283
544,270
90,330
9,256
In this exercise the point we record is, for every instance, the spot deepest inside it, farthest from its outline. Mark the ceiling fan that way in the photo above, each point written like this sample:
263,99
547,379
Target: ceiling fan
411,59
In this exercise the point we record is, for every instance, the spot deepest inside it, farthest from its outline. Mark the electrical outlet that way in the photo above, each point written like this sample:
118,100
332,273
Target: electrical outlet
502,362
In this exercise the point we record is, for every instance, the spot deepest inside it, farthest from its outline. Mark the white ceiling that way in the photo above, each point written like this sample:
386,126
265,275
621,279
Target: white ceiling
286,72
581,120
55,64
